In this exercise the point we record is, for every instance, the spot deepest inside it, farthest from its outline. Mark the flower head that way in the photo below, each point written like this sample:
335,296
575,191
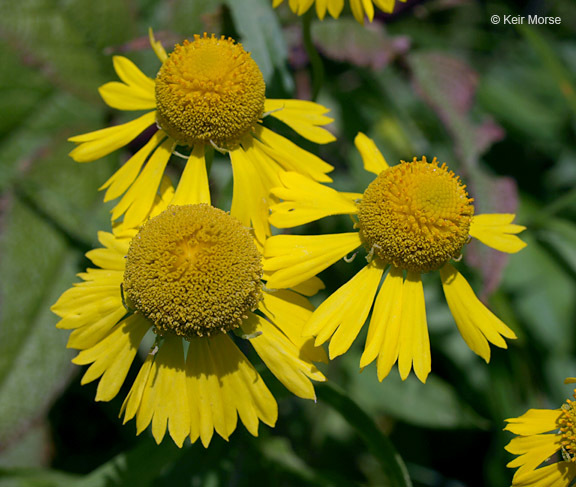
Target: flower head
545,445
360,8
209,93
190,279
413,218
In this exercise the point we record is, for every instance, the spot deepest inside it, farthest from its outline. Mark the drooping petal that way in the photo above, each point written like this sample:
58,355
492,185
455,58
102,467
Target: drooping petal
290,312
384,331
372,158
497,231
296,258
386,5
292,157
306,200
282,356
477,324
250,202
193,186
221,382
112,357
335,7
414,344
360,8
100,143
123,178
304,117
342,315
534,422
137,202
158,394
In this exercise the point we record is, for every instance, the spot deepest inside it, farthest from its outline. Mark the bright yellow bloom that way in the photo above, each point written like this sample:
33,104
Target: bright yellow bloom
360,8
191,278
208,93
546,445
413,218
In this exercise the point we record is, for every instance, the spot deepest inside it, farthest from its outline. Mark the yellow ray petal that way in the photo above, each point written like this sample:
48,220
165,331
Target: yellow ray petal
534,421
290,312
372,158
121,180
555,475
297,258
193,186
309,287
137,202
130,74
164,400
384,331
414,344
132,402
250,202
386,5
157,46
282,356
100,143
335,7
304,117
124,97
306,200
292,157
475,322
89,335
251,397
111,358
497,231
205,390
344,313
532,451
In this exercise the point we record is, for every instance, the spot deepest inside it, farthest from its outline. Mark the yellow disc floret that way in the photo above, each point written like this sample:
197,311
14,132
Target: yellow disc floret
415,216
193,271
209,91
567,424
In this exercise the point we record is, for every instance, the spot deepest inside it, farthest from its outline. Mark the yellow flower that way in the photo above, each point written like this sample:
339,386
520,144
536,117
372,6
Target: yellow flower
191,278
360,8
413,218
208,93
546,445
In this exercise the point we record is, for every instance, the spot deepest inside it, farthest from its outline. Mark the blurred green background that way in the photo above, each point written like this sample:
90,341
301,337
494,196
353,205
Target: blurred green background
436,78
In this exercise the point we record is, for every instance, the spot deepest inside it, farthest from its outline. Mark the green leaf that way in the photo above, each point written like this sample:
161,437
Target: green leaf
561,235
258,25
380,446
435,404
28,477
34,362
138,467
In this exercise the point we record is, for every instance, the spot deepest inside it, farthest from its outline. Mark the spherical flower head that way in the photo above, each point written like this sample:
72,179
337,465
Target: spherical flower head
567,426
415,216
209,91
193,271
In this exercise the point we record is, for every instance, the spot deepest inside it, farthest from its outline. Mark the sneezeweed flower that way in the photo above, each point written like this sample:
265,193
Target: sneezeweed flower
208,93
545,445
412,219
191,275
360,8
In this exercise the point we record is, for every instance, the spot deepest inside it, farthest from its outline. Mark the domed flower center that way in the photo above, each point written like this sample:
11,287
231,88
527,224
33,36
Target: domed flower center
415,215
209,90
193,271
567,424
